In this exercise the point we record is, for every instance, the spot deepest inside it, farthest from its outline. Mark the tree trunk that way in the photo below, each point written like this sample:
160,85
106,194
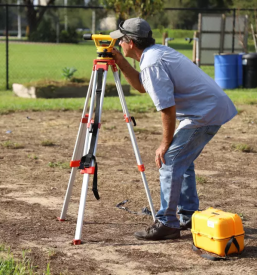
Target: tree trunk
31,19
119,20
34,16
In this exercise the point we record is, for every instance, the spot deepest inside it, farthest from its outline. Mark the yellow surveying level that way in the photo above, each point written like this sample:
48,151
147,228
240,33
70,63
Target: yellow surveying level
104,44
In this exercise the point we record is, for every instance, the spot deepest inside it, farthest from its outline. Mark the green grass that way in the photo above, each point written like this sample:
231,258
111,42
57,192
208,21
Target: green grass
33,157
243,96
47,143
33,62
11,145
200,179
10,103
30,62
11,266
59,164
242,147
136,103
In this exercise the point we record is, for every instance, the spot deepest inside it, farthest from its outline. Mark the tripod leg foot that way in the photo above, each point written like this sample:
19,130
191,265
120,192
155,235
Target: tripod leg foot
61,220
76,242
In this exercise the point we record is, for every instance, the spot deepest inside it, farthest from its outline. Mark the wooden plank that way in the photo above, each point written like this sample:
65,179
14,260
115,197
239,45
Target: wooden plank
246,34
199,33
194,49
254,37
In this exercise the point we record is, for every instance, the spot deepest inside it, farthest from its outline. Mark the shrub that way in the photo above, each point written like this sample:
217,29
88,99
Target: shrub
69,36
44,33
68,72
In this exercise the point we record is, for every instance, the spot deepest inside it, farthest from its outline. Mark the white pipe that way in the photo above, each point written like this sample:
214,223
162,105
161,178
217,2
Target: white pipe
65,16
93,22
168,39
19,20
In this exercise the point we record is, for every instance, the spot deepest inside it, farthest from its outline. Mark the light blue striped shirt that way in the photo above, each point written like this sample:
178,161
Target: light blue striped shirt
171,79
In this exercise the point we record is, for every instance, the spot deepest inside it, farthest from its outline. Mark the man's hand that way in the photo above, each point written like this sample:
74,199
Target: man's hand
117,56
168,123
131,75
159,154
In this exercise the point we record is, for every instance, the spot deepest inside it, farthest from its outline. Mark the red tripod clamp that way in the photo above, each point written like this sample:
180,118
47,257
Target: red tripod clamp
103,64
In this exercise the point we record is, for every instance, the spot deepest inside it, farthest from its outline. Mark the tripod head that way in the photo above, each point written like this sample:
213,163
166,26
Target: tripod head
104,44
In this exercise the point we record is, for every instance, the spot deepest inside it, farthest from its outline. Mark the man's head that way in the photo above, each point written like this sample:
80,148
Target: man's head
136,30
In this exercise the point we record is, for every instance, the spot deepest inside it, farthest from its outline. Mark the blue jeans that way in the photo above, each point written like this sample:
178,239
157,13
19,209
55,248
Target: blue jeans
177,175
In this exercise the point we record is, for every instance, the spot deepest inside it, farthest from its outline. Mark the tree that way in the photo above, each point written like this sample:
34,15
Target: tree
252,16
125,8
8,1
140,8
34,16
75,2
186,19
250,4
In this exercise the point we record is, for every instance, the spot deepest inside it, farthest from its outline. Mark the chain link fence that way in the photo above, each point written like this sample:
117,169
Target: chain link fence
41,43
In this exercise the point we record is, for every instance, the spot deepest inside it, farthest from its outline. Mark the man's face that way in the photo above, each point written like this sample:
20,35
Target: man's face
126,47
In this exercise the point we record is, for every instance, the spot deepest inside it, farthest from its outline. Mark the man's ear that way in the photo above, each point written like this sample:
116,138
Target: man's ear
131,44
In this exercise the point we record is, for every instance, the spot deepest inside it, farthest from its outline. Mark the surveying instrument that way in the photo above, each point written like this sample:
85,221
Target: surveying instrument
88,132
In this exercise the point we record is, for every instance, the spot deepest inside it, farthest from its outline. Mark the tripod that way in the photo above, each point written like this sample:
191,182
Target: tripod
87,137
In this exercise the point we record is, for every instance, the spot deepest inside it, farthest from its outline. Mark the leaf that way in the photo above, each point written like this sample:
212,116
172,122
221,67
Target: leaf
142,8
68,72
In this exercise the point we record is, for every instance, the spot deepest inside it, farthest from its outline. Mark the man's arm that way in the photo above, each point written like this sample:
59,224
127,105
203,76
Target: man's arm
168,117
131,75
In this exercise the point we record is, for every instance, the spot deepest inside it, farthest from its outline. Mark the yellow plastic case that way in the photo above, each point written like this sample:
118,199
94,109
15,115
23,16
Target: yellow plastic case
213,228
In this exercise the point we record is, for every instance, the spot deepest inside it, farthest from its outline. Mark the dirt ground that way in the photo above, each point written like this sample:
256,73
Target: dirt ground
33,182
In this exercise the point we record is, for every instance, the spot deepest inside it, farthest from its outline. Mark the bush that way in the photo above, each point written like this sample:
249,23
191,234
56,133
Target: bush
47,33
157,33
69,36
44,32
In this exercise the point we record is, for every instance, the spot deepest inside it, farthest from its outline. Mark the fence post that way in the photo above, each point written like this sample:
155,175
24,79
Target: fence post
7,45
164,36
234,26
93,22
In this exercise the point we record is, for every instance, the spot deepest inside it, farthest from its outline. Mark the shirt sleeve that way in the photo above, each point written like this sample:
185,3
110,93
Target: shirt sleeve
159,86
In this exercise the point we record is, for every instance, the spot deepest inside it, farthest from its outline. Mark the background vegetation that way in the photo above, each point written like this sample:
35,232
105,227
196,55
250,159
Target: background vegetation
137,103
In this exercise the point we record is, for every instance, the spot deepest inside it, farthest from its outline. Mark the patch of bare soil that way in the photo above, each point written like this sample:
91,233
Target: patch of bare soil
34,179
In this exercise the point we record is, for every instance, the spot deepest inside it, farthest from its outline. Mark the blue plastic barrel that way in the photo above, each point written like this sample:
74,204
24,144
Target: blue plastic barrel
226,74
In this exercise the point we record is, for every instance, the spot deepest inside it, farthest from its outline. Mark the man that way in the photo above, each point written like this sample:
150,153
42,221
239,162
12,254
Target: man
179,89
